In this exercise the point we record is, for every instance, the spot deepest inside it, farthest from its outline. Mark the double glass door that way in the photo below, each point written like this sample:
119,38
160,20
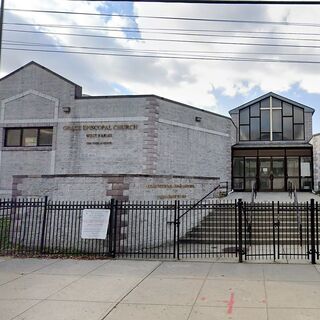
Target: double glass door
272,174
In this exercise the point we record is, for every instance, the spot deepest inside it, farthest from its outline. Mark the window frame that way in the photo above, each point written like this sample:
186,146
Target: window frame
5,144
294,123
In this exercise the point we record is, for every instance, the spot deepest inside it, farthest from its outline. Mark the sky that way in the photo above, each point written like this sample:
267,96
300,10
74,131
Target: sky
214,85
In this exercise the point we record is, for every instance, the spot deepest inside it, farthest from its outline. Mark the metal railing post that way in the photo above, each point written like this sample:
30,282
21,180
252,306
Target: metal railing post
44,220
111,226
114,206
177,228
312,230
240,212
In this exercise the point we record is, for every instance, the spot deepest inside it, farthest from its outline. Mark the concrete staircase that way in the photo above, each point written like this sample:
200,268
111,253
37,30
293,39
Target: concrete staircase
221,228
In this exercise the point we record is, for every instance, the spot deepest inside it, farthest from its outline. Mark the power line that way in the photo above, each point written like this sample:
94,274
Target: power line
168,40
40,44
288,2
136,30
176,53
143,29
170,57
303,24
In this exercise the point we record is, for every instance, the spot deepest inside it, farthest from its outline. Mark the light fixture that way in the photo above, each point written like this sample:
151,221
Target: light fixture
198,119
66,109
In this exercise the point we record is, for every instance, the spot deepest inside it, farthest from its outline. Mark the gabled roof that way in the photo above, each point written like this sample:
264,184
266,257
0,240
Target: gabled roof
274,95
42,67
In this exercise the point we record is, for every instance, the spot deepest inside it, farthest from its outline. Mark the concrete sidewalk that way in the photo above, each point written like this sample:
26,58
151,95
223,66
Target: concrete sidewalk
40,289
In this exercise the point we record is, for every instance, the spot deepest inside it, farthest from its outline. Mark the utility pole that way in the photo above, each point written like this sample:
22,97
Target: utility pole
1,28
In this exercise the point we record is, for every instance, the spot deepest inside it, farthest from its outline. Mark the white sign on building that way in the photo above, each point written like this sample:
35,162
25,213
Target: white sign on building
95,223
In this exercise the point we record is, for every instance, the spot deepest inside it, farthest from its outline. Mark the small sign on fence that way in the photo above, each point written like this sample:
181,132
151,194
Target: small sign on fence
95,223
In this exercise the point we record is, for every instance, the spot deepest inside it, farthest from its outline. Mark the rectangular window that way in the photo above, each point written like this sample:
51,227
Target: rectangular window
244,116
276,136
293,166
276,103
45,137
255,129
238,167
298,115
298,132
306,184
287,128
255,110
250,167
287,109
265,103
276,121
306,168
244,133
13,137
265,121
28,137
265,136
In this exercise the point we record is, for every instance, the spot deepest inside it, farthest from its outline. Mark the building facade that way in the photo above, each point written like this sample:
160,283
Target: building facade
273,149
65,142
59,142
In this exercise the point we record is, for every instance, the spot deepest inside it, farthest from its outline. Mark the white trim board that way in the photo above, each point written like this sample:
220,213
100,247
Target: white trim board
75,120
187,126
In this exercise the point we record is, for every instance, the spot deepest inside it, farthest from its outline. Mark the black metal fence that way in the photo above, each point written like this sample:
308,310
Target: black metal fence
42,227
169,230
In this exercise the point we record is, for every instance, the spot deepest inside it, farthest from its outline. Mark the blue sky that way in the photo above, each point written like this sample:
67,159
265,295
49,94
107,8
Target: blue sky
216,86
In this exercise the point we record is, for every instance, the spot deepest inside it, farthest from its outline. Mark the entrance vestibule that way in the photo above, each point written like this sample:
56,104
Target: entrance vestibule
272,169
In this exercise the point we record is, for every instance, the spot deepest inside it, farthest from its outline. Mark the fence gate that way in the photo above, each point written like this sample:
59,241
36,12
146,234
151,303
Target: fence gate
280,231
259,231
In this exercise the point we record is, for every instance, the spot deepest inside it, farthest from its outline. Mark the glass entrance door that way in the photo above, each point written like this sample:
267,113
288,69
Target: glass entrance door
265,174
271,174
278,181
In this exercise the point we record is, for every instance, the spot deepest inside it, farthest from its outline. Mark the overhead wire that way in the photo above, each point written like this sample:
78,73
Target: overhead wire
285,23
182,33
155,30
41,44
168,54
216,58
166,40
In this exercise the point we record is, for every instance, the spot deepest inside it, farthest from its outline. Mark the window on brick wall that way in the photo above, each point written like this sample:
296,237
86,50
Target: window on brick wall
28,137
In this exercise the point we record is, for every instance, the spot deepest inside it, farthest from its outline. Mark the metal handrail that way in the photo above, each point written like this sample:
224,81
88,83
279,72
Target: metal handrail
290,189
253,192
296,204
196,204
249,215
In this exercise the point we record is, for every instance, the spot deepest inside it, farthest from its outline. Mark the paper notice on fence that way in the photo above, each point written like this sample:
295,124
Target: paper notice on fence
95,223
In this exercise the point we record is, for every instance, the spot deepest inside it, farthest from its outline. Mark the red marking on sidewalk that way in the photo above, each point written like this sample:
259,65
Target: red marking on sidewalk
230,303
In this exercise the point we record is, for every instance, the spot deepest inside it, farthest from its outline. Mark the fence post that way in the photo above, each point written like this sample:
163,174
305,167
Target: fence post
312,230
44,220
177,226
175,231
240,212
114,206
111,224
